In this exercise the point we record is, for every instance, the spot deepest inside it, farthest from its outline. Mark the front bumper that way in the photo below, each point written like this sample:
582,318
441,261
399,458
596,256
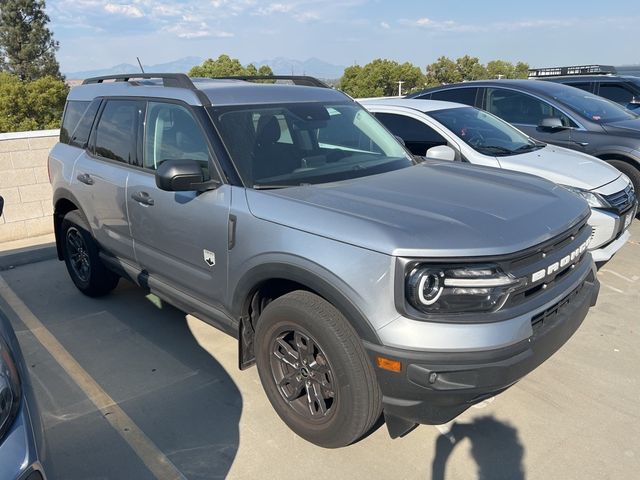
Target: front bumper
435,387
609,233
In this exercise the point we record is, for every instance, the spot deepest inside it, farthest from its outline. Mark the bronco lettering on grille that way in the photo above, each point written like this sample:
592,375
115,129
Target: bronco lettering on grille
563,262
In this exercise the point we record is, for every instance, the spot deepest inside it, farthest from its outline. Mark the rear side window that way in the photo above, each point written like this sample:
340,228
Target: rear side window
586,86
466,96
80,136
72,114
116,131
418,137
616,93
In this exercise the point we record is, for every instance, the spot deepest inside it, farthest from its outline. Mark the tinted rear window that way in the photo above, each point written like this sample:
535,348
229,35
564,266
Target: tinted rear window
586,86
72,115
418,137
80,136
616,93
459,95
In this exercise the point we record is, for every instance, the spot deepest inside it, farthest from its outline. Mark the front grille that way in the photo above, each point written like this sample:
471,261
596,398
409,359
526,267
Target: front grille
549,315
544,256
621,200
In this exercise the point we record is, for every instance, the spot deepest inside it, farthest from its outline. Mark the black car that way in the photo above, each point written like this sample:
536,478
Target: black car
622,89
21,434
556,114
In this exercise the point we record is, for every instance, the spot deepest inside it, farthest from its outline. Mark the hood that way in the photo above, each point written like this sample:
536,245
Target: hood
430,210
627,128
563,166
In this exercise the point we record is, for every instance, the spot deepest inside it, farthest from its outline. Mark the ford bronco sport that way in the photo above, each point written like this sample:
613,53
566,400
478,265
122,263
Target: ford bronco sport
360,282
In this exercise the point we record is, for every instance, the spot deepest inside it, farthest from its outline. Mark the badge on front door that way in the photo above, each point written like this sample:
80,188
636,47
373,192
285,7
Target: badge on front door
209,258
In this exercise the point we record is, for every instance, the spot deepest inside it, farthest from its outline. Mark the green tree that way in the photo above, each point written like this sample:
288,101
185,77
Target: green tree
380,78
521,70
443,70
470,68
265,70
225,66
33,105
27,47
503,69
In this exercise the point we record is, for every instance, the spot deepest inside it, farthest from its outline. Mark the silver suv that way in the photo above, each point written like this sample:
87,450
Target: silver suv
360,282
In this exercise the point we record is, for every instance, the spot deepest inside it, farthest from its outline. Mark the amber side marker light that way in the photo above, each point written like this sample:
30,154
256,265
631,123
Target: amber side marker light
388,364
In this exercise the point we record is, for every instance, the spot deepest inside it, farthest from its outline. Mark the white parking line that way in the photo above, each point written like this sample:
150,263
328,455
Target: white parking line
617,290
156,461
633,279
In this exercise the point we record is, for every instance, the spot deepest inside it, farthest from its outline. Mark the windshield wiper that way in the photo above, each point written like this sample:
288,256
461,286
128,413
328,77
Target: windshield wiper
258,186
530,147
495,149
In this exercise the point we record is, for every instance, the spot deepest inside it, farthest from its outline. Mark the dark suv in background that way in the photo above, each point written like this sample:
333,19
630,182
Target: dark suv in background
556,114
600,80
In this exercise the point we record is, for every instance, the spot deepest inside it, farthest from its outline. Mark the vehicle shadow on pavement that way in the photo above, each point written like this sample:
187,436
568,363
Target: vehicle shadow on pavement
142,352
495,448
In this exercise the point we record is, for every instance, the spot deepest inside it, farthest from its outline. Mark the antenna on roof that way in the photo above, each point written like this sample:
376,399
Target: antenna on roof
140,63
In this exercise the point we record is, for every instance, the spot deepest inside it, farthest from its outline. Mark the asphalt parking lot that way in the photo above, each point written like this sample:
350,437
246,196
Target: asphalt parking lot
131,388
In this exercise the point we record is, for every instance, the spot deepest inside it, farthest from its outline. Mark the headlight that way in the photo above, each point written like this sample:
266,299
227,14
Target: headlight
9,389
458,289
593,199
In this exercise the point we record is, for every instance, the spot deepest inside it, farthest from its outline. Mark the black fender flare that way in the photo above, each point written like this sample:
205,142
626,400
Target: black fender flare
61,194
328,290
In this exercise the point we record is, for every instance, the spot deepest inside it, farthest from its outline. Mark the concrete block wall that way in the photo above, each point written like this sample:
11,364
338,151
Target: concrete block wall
24,184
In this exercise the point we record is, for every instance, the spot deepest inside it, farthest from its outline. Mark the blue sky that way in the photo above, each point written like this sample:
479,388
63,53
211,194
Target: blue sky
101,33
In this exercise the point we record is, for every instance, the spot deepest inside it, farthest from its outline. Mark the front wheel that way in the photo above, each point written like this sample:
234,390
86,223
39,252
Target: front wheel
315,371
81,255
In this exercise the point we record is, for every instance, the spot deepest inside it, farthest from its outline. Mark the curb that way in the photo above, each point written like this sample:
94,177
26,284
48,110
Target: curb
27,255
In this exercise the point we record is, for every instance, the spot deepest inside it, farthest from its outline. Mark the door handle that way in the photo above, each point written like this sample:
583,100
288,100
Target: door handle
85,178
582,144
143,198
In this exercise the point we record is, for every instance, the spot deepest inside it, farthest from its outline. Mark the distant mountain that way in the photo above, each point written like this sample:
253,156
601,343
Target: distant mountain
176,66
313,67
280,66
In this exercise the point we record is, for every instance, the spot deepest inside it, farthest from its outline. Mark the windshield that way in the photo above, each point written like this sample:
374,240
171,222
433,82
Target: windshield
306,143
484,132
596,109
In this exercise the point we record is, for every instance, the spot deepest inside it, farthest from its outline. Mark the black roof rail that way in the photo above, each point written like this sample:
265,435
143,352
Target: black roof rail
178,80
302,80
572,70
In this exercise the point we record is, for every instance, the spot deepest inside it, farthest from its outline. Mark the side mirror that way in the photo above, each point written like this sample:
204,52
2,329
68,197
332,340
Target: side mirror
551,123
441,152
182,176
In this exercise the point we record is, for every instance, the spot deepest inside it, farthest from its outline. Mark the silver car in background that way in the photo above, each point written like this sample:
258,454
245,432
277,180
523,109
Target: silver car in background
452,131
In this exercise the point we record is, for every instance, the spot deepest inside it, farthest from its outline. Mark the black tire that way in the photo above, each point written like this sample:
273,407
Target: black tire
80,251
631,171
337,383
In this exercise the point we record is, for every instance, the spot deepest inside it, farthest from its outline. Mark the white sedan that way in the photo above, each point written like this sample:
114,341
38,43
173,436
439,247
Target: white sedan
452,131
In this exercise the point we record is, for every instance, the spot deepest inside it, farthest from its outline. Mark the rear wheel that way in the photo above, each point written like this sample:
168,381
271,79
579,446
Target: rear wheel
81,255
315,371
